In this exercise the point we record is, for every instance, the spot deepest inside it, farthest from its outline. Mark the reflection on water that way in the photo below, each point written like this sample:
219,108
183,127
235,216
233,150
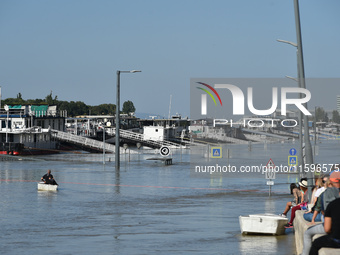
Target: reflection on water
146,208
250,244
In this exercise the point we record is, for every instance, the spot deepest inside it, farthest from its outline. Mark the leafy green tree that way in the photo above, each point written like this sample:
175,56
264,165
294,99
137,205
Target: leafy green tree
63,105
35,101
128,107
321,115
49,99
73,108
336,116
13,101
77,108
103,109
9,101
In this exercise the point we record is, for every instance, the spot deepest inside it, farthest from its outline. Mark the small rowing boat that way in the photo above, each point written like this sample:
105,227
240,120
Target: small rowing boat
265,223
47,187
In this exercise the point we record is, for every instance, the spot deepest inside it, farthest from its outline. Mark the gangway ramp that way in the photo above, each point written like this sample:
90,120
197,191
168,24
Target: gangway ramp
98,145
83,141
137,137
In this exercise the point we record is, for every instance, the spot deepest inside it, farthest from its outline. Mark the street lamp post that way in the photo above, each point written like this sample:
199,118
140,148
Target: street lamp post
300,117
302,84
117,151
308,146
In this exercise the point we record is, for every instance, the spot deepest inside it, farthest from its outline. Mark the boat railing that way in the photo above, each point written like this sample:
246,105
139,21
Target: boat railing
31,130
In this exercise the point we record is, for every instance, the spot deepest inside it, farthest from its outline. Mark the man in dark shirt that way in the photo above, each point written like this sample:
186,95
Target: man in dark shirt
48,178
332,228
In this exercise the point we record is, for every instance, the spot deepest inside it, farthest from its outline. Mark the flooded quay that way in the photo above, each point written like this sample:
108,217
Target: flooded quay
145,208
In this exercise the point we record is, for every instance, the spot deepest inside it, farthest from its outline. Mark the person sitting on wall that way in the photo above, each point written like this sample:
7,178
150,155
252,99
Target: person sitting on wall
294,190
302,206
315,214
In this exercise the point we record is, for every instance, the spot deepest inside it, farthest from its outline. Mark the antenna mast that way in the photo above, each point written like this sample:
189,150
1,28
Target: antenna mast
170,107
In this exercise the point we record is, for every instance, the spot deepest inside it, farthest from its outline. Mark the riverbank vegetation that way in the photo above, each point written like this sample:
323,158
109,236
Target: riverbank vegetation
73,108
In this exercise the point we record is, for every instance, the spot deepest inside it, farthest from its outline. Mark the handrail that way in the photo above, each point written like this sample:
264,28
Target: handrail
141,138
82,140
109,147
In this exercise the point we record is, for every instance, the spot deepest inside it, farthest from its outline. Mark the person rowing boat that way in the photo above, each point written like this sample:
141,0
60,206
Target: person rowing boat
48,178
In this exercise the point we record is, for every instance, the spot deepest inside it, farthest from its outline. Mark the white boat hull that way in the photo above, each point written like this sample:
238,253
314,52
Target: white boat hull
48,187
263,224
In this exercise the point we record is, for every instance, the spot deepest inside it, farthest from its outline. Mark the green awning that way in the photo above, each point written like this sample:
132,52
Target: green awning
14,106
39,110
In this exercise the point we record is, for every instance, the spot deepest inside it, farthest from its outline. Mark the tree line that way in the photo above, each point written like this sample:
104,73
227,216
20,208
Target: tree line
321,115
73,108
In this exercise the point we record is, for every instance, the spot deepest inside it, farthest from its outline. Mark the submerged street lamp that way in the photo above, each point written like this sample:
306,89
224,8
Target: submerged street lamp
301,81
301,69
117,151
302,84
300,113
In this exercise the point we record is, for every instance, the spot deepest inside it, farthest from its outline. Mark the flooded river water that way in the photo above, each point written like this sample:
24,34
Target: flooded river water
145,208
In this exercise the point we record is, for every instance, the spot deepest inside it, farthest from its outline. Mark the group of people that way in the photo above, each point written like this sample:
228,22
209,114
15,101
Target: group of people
48,178
325,208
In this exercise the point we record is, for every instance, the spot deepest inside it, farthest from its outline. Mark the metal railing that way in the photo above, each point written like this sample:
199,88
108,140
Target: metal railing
80,140
137,137
88,142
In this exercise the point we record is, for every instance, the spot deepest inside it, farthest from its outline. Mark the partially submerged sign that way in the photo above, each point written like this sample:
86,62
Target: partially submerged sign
270,167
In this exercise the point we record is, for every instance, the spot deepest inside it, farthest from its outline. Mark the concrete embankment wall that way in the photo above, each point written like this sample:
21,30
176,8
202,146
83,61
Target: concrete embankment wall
300,226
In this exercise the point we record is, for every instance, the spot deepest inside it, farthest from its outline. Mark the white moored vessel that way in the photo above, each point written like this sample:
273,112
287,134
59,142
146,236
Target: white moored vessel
265,223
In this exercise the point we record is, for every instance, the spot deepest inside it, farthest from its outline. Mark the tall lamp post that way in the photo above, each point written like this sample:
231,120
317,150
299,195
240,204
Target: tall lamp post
308,146
117,151
300,113
301,80
302,84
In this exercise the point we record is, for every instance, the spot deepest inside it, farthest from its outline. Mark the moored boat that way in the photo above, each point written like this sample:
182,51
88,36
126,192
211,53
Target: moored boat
29,129
263,224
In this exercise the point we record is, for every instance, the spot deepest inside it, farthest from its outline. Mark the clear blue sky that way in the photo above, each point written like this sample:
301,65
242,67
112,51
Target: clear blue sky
74,47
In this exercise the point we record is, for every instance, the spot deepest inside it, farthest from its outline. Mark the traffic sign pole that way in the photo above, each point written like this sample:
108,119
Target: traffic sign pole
270,174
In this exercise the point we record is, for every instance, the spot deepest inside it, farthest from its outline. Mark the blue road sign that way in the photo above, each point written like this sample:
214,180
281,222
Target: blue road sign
292,160
292,151
216,152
